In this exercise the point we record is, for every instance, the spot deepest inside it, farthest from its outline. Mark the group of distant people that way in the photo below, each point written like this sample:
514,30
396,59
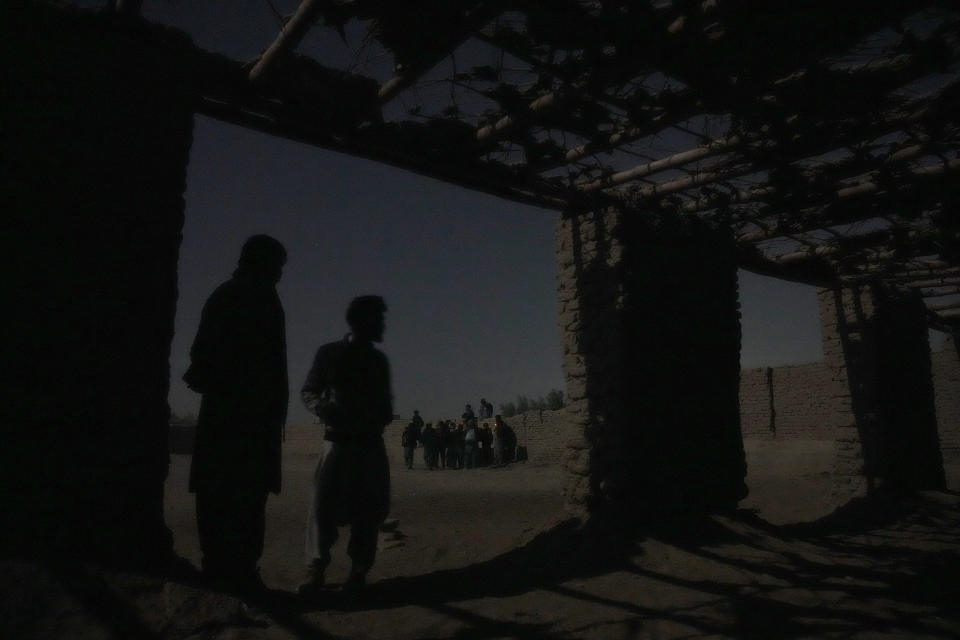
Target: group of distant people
460,445
239,365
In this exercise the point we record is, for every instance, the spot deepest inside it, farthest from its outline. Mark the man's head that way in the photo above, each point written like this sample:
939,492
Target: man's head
262,257
365,317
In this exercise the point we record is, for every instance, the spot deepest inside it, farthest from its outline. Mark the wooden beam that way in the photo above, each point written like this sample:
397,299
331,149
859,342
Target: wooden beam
940,307
814,272
669,162
725,171
809,219
288,39
932,277
476,176
663,120
840,192
938,292
491,132
931,283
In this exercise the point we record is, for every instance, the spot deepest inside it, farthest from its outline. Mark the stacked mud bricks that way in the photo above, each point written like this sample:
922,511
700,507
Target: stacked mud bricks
875,343
95,147
946,380
649,318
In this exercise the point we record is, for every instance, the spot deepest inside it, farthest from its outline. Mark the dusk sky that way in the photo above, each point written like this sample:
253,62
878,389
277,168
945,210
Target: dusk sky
469,279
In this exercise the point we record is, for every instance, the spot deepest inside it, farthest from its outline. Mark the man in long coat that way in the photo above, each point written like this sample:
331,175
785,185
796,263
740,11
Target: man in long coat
348,387
238,363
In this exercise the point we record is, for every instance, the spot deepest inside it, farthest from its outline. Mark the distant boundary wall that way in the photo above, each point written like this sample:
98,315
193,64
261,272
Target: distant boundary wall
801,402
793,401
787,402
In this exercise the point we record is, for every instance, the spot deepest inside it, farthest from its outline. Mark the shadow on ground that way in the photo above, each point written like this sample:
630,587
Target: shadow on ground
887,565
884,567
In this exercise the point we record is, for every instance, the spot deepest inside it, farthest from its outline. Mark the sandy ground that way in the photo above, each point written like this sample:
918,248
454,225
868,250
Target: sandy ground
490,554
446,519
453,518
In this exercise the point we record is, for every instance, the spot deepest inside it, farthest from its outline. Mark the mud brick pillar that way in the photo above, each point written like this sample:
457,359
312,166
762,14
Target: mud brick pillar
95,144
875,340
946,381
651,341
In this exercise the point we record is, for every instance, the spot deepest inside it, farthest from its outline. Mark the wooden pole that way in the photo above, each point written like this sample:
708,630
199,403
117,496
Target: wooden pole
290,36
492,132
865,187
670,162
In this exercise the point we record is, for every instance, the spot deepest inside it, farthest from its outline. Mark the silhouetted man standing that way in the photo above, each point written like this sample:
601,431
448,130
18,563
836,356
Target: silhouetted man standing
349,389
239,364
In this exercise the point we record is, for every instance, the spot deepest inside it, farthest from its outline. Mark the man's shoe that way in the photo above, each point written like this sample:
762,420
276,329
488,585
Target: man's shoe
355,583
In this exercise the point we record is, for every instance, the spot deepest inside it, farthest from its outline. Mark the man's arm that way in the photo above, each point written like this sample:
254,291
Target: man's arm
205,352
316,390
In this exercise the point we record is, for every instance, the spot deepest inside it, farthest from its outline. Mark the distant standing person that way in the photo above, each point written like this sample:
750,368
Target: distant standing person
409,442
443,443
486,409
349,389
238,361
430,444
486,445
417,421
467,414
500,438
471,457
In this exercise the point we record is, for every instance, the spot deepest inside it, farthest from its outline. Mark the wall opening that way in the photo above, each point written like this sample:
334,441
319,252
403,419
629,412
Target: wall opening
470,284
785,405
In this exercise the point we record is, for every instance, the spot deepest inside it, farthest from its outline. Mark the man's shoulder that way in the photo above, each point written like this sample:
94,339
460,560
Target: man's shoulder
330,351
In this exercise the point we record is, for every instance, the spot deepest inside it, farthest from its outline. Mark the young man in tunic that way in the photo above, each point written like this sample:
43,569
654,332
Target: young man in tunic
348,387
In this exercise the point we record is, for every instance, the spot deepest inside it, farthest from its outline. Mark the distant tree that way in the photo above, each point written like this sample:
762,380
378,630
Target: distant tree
555,399
523,404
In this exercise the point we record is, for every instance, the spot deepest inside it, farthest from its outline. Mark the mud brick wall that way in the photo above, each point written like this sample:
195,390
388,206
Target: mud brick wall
946,386
94,154
875,344
546,434
651,338
793,401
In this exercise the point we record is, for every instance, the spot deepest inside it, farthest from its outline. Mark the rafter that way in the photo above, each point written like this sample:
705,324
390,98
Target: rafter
291,33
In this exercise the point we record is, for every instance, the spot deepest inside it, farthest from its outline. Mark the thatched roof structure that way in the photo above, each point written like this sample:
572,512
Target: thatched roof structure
824,135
